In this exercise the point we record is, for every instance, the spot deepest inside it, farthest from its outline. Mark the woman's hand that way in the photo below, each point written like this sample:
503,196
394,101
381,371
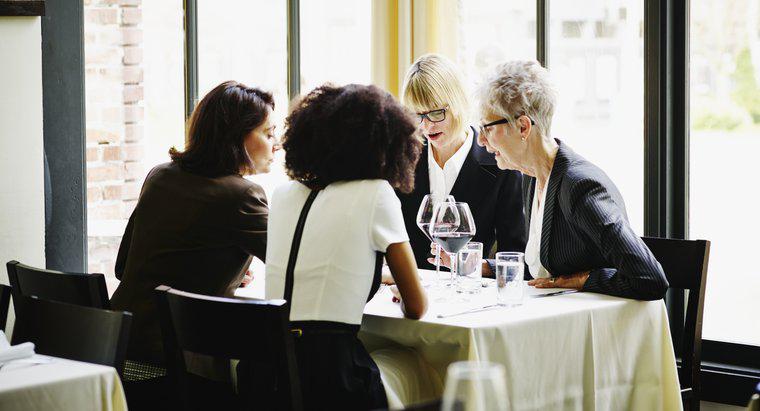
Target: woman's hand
445,260
574,281
247,278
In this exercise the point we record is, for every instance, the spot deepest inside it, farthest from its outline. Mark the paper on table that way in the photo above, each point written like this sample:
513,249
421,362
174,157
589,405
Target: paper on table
14,352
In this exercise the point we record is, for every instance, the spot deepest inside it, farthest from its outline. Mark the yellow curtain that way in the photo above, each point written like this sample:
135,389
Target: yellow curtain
403,30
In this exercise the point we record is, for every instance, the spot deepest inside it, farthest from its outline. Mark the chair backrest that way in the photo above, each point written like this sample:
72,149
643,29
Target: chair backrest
5,300
255,331
685,265
72,331
88,290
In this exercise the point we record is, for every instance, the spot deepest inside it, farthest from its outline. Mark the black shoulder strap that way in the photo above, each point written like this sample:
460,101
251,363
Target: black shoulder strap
294,249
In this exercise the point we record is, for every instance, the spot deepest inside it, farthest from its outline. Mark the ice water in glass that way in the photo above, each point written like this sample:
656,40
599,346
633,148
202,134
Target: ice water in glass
510,287
470,267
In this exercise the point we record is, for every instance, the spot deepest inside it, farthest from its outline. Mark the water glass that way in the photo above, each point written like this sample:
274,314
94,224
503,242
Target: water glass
473,385
470,267
510,287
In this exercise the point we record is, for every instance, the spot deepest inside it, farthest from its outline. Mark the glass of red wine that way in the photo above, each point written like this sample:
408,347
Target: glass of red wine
424,216
452,226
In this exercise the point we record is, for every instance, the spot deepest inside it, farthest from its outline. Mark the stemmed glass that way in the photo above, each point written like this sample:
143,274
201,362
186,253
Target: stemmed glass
452,226
474,385
424,217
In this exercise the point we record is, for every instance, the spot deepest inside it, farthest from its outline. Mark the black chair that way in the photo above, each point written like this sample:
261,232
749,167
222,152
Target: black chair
88,290
5,301
685,265
253,331
72,331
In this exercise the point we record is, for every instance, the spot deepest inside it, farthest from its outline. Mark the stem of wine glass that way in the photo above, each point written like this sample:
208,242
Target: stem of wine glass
438,264
453,264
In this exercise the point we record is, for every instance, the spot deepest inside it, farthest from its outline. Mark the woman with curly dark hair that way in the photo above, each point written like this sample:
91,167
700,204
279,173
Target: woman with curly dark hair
347,148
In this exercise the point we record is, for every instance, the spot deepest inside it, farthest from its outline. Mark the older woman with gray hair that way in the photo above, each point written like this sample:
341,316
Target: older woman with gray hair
578,231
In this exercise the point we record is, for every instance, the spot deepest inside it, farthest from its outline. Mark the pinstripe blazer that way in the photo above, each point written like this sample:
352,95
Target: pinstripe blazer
585,228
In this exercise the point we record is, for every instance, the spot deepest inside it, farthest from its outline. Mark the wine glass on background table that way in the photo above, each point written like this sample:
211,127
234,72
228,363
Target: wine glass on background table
452,227
424,217
472,385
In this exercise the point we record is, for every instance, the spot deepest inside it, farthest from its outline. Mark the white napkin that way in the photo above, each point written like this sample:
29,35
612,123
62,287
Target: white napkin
14,352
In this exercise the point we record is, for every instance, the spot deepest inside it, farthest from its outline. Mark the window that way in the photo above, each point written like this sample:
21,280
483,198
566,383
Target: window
335,42
724,140
596,58
134,101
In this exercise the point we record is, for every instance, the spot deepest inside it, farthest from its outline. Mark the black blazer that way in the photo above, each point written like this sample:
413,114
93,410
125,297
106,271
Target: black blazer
586,227
494,197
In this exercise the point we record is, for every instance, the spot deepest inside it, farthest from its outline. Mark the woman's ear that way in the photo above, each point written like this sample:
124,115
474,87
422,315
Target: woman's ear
525,126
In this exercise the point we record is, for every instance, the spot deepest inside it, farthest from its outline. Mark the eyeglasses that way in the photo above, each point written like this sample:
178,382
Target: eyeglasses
433,116
484,127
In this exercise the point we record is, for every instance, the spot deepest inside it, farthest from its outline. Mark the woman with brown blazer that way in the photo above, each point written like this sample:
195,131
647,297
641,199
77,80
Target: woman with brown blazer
197,222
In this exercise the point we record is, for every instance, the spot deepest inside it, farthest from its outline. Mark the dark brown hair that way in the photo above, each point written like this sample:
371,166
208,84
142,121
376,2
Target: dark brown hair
217,128
348,133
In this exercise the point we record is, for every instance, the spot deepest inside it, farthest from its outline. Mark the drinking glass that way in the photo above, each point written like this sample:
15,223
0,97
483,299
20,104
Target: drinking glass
452,227
510,287
473,385
424,216
470,267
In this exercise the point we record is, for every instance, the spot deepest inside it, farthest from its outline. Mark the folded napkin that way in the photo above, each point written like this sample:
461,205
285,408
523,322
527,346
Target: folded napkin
14,352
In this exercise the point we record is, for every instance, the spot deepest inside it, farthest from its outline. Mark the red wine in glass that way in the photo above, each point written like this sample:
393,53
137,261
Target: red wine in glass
452,242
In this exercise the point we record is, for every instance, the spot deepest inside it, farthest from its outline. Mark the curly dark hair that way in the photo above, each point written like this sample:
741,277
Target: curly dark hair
353,132
217,129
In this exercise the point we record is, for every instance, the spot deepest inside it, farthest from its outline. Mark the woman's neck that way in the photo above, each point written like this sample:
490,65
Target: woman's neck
541,153
443,154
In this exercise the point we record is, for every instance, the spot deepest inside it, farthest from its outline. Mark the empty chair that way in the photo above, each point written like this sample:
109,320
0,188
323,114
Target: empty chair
5,300
72,331
685,265
88,290
225,328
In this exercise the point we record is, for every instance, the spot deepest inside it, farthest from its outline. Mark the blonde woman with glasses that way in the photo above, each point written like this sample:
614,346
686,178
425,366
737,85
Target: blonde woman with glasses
452,163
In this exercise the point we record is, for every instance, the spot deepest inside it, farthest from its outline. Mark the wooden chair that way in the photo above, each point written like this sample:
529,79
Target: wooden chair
685,265
72,331
88,290
5,301
253,331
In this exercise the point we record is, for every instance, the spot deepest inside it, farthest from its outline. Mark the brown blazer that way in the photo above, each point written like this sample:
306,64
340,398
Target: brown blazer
189,232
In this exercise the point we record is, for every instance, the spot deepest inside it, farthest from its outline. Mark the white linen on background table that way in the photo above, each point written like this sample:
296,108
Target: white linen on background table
575,351
61,384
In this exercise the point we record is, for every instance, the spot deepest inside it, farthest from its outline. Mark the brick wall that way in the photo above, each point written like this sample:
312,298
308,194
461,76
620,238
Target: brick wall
115,117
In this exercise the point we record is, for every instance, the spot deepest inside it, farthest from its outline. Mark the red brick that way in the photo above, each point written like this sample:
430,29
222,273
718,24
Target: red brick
132,93
101,55
129,207
134,114
133,152
133,132
132,55
101,16
131,16
93,154
133,170
130,2
131,36
112,153
107,211
94,194
108,172
132,75
113,115
112,192
101,136
130,191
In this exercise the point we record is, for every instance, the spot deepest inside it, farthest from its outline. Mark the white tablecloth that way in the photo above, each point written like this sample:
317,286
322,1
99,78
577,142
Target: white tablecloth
60,385
577,351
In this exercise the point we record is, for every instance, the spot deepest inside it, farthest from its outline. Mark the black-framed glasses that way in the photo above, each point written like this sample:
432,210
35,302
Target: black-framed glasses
484,127
433,116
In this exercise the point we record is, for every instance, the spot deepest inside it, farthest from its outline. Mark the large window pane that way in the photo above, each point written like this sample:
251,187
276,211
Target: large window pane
493,32
335,42
725,140
134,100
246,41
596,57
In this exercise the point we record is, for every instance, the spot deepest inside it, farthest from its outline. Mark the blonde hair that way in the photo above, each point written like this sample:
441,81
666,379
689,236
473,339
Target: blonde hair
433,82
520,87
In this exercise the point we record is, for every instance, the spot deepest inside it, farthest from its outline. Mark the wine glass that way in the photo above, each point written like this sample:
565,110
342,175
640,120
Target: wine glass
424,216
473,385
452,226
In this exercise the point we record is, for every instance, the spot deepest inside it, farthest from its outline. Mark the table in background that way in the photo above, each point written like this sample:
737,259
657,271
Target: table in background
60,385
575,351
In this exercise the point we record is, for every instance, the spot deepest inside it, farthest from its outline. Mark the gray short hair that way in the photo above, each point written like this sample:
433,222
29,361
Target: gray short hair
520,87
